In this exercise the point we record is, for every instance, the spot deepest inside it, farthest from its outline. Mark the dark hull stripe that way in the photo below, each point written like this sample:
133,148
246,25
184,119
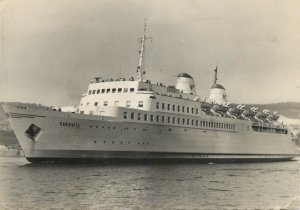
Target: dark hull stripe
154,160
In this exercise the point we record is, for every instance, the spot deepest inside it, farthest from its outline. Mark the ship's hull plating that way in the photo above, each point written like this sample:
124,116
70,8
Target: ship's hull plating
66,137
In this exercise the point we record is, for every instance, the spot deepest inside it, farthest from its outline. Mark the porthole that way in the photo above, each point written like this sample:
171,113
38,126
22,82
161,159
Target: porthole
104,142
97,126
113,142
95,142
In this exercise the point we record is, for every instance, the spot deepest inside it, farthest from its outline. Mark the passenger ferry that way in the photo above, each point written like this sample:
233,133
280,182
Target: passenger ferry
136,120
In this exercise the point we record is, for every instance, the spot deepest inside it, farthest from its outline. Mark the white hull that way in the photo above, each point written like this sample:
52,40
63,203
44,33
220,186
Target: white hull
103,138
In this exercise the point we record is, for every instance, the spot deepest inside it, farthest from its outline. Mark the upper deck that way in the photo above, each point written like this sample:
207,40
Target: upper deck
134,94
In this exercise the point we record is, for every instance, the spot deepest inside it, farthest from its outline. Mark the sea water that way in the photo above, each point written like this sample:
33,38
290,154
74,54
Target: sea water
148,186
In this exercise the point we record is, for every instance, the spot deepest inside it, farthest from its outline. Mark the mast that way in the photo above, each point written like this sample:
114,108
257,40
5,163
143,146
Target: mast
140,68
216,74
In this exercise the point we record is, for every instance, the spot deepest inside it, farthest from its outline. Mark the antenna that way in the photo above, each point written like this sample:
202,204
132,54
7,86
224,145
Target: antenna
140,68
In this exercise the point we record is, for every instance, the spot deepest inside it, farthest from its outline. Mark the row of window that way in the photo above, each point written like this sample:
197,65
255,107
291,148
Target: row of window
116,103
111,90
177,120
121,142
177,108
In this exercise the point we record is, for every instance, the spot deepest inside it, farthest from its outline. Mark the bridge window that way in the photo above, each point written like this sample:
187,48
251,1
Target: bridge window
96,103
108,90
94,91
125,90
119,90
131,90
113,90
140,104
98,91
90,92
103,91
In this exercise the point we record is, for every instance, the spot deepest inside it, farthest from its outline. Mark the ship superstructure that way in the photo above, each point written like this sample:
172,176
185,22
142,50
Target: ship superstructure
134,119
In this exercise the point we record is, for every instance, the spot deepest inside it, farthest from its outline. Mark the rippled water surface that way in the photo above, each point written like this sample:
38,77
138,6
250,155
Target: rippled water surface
151,186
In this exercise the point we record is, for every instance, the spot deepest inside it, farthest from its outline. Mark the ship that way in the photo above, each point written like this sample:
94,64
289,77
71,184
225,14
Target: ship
134,119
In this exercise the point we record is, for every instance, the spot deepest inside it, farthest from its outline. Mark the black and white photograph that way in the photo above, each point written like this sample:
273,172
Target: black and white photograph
150,104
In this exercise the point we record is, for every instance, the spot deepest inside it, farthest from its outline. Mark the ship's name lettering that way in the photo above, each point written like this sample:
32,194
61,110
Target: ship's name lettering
69,124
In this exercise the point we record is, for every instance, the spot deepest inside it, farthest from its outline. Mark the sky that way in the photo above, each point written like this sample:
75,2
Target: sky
50,50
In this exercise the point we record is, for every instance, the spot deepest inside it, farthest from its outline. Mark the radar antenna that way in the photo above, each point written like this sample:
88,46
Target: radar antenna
140,69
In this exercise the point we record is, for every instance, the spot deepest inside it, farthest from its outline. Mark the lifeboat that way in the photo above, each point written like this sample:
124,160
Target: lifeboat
206,107
219,110
273,117
235,112
248,114
261,116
